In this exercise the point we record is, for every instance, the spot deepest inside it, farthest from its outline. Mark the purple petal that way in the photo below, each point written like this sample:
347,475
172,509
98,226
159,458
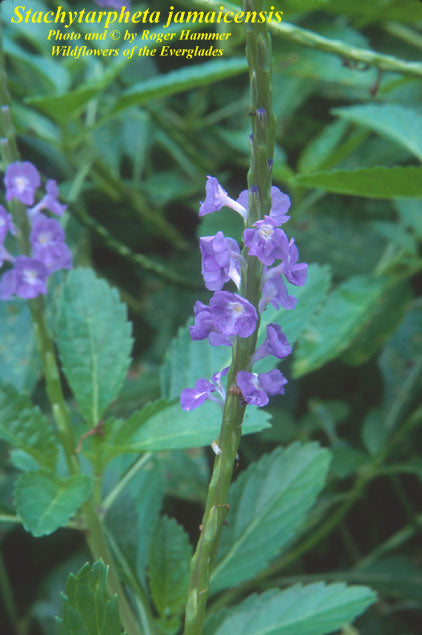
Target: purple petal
273,382
30,277
232,314
191,398
280,205
22,181
251,389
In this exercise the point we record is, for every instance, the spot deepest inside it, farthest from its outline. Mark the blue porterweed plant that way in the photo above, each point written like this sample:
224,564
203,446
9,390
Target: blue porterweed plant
79,462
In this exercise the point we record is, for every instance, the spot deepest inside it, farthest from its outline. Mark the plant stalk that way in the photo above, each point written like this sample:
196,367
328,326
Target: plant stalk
258,50
319,42
95,531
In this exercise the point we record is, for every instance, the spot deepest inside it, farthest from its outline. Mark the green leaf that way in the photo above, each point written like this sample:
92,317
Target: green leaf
401,365
165,426
346,460
94,341
168,568
338,322
59,107
374,433
318,152
87,607
25,427
45,502
179,81
188,473
315,609
135,513
393,121
268,504
19,360
380,324
309,298
377,182
411,214
188,361
395,575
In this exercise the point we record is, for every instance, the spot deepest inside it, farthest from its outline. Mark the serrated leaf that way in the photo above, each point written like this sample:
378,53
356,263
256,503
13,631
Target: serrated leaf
19,360
376,182
45,502
94,341
268,503
168,567
180,80
168,427
339,322
403,125
315,609
25,427
87,607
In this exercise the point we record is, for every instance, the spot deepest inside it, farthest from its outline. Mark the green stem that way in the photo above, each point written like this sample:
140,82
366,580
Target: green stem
404,33
258,50
95,530
321,43
7,593
115,492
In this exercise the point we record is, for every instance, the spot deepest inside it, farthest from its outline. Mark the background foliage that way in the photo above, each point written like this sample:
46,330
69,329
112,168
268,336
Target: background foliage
131,143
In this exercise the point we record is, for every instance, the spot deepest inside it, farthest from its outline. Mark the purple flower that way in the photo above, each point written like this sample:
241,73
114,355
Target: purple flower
216,198
49,201
27,279
22,181
203,321
243,199
48,244
220,261
45,232
113,4
295,273
232,315
276,343
265,241
7,284
280,205
191,398
275,291
256,388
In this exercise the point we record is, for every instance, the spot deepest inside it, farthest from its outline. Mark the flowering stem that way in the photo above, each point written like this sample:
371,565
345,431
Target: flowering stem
336,47
95,531
258,49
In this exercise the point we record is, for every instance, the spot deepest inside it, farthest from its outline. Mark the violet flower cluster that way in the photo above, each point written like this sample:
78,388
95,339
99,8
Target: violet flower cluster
229,315
29,274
